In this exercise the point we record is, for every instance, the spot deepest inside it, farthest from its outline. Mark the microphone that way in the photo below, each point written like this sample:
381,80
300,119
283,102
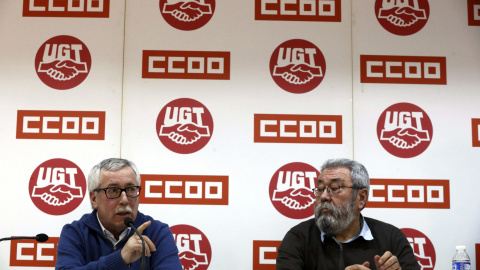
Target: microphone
41,237
129,223
341,264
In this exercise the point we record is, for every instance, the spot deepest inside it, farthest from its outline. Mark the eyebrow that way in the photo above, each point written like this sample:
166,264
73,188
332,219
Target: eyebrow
334,180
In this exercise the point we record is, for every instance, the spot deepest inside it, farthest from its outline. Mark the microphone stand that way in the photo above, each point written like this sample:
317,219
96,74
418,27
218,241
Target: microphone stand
129,222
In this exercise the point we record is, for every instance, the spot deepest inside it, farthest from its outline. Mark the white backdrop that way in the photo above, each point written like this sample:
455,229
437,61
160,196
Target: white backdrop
132,104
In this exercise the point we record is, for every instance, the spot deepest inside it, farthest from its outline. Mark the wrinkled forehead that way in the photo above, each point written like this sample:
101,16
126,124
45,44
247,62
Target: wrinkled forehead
340,175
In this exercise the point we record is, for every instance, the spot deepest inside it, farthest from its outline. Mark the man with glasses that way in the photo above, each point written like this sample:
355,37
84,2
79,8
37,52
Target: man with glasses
101,240
339,237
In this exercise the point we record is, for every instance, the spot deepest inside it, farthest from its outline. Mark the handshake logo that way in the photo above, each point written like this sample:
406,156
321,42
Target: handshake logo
187,14
402,17
57,195
401,13
404,130
63,62
57,186
297,66
184,126
187,10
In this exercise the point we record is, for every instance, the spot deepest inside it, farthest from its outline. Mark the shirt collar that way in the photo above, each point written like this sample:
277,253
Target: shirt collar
110,236
364,232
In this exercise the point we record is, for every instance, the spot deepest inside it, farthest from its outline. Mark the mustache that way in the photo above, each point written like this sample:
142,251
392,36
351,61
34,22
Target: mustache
325,205
123,210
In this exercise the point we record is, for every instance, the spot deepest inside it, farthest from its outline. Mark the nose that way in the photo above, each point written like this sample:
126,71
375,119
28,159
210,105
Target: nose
325,196
123,197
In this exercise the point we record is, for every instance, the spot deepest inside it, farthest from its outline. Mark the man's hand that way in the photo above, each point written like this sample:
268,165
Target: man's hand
132,250
387,261
364,266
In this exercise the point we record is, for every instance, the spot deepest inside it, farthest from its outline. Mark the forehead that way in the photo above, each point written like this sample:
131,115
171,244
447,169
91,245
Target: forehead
335,175
124,176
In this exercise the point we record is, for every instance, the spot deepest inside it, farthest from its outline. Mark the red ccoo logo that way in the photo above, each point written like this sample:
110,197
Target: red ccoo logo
291,192
184,189
411,193
64,8
283,128
60,125
297,66
187,14
63,62
299,10
404,130
403,69
57,186
475,132
186,65
473,12
423,248
30,253
193,246
265,254
402,17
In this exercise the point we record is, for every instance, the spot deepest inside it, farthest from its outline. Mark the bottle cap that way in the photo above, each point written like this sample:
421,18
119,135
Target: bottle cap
460,247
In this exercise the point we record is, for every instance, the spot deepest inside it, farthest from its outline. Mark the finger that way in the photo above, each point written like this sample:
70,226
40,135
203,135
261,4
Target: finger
143,226
366,264
384,257
149,243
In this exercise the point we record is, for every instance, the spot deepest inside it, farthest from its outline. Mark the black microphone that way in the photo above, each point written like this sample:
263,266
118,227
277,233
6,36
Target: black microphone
41,237
129,223
341,264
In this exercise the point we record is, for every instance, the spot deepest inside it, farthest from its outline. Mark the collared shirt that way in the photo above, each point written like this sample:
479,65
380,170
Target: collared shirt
364,232
110,236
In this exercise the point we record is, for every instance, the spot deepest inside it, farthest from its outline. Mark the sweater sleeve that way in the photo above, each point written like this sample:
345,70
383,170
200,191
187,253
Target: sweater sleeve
404,251
291,251
166,255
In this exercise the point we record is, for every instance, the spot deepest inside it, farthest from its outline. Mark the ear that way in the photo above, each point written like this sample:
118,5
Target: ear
93,199
362,198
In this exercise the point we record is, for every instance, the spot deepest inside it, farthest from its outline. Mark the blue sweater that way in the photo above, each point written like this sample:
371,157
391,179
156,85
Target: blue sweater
83,245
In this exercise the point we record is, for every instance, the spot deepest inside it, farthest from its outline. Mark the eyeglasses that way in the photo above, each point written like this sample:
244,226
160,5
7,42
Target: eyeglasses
115,192
332,191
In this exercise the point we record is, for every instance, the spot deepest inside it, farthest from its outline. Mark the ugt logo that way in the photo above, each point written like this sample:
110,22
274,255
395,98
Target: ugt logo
402,17
423,248
184,126
404,130
57,186
291,192
63,62
194,249
297,66
187,14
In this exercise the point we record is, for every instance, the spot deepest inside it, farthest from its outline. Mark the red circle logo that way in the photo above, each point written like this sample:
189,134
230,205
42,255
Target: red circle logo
297,66
402,17
422,248
57,186
63,62
184,126
187,14
194,249
404,130
291,192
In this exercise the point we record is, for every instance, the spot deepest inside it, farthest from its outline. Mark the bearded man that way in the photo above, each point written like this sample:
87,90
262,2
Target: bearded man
339,237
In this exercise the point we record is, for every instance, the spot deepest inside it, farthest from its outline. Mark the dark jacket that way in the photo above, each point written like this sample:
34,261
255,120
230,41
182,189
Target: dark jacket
302,248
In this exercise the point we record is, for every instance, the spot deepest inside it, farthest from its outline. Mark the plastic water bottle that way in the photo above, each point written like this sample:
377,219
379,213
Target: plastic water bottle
460,260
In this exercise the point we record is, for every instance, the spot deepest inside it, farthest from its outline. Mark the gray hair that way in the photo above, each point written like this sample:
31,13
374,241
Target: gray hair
110,164
358,173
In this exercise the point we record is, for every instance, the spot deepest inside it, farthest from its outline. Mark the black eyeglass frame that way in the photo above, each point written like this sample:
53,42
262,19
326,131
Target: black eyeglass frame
121,190
329,190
